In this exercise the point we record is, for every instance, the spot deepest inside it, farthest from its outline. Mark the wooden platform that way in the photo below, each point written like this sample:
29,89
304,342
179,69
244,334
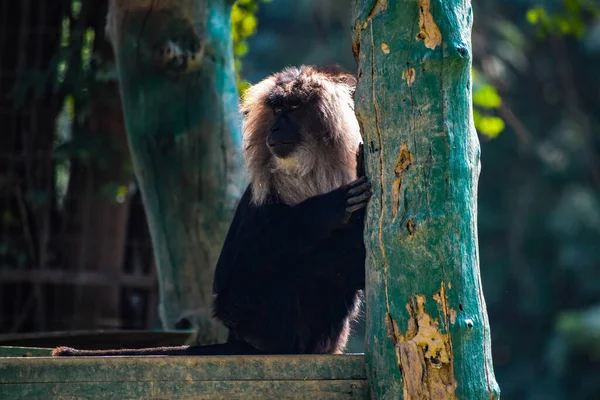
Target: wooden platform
207,377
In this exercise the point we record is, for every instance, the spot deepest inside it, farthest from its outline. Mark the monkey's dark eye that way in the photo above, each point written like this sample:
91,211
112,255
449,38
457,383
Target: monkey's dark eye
277,110
294,106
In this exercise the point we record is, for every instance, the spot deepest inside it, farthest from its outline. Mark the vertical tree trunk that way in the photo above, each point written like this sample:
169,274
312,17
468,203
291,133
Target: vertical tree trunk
175,67
427,328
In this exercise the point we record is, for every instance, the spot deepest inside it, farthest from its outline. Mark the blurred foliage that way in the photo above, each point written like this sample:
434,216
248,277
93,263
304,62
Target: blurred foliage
581,328
570,20
485,100
243,25
82,74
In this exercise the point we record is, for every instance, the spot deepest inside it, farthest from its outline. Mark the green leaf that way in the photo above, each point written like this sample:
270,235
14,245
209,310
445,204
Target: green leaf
486,96
533,16
240,49
248,25
488,125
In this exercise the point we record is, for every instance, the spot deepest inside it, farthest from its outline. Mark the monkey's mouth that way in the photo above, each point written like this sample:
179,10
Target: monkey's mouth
282,149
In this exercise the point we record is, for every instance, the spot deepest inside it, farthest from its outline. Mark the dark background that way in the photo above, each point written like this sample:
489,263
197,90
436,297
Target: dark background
74,247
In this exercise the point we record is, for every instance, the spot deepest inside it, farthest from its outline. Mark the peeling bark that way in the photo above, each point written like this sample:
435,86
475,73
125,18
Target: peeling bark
428,30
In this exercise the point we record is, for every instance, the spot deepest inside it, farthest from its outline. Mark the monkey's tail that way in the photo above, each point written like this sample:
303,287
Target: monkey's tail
229,348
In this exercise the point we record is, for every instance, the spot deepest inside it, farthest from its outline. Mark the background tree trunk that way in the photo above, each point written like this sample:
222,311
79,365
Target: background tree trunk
175,66
427,328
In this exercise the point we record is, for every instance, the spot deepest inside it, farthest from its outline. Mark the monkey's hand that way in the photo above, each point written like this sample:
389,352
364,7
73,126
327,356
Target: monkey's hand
358,194
332,210
355,197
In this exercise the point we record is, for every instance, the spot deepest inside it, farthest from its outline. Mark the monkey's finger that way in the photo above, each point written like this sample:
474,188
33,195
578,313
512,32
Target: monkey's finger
359,199
358,181
359,189
356,207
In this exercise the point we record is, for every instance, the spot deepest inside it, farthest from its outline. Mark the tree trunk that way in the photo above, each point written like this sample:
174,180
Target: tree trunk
427,329
175,66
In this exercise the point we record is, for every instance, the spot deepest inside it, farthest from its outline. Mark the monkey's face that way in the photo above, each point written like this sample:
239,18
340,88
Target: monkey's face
284,135
295,126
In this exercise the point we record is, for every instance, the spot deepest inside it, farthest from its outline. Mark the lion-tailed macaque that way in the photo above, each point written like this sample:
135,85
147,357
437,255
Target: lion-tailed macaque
290,276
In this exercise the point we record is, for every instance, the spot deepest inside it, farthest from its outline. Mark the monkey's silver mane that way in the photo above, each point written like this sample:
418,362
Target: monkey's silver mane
315,167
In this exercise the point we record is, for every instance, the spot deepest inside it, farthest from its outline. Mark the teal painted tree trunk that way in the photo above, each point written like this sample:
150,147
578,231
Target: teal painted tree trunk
427,334
175,66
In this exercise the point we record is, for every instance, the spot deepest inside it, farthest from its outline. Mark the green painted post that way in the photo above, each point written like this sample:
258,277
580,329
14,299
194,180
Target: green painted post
427,335
175,64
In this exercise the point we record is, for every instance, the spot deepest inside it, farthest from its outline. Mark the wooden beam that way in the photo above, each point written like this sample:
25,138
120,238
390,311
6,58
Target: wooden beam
211,377
77,277
200,368
160,389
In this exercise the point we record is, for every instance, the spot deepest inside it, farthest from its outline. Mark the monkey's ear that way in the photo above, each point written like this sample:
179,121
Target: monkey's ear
347,79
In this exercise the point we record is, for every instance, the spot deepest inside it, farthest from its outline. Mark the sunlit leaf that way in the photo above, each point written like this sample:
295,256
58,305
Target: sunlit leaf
533,15
237,14
244,85
65,33
248,25
488,125
487,97
241,49
121,194
562,23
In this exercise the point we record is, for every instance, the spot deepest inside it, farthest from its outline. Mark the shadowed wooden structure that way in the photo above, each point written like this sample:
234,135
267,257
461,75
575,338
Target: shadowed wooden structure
427,330
208,377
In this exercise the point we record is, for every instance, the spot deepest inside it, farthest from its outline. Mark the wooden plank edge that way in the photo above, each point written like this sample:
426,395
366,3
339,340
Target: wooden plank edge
17,351
309,389
200,368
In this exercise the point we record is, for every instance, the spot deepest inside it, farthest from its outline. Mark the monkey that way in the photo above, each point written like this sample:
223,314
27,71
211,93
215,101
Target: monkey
291,273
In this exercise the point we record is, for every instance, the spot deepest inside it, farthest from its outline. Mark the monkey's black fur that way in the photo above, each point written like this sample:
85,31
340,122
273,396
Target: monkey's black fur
288,278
